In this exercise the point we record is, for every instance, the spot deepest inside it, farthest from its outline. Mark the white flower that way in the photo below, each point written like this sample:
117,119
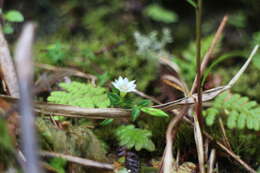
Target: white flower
124,85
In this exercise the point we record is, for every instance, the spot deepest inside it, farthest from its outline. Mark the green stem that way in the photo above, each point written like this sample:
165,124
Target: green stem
122,94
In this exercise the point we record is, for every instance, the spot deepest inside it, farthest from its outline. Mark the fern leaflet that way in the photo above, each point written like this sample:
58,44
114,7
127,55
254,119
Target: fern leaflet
82,95
130,137
240,112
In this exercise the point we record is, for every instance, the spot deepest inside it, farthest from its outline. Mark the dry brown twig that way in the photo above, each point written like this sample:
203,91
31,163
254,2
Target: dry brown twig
72,71
60,72
78,160
7,67
224,135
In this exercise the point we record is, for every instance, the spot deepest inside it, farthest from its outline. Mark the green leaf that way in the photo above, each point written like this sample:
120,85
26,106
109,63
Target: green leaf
192,3
132,137
8,29
59,164
219,60
103,78
57,51
5,139
135,112
232,119
240,111
154,112
14,16
211,115
256,61
241,121
238,19
58,118
106,121
114,98
144,103
250,123
160,14
82,95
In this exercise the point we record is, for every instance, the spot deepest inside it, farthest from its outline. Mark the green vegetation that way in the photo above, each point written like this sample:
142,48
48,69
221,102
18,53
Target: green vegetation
82,95
241,113
10,17
141,53
129,136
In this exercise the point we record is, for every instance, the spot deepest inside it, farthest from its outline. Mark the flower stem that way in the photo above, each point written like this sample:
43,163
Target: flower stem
122,94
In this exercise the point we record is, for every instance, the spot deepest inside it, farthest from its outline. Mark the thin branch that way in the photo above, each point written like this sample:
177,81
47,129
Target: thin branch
78,160
226,141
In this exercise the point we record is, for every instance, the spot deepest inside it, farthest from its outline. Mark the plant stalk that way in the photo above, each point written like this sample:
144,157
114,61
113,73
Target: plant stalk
198,61
198,120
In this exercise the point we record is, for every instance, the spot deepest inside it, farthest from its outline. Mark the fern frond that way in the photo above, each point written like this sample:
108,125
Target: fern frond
130,137
240,112
82,95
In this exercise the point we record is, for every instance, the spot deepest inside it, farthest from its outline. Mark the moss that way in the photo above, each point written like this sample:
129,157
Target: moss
76,140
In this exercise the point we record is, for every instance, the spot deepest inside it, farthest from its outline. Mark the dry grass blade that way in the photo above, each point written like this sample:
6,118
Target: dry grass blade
24,67
242,70
176,83
169,63
199,143
78,160
211,161
168,162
